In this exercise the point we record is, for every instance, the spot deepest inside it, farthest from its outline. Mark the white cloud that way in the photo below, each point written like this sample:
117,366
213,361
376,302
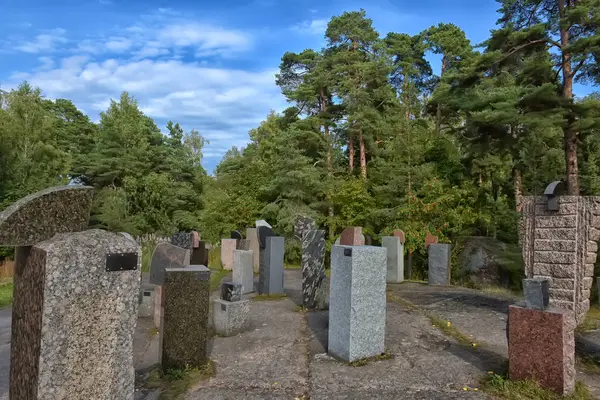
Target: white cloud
205,38
44,42
312,27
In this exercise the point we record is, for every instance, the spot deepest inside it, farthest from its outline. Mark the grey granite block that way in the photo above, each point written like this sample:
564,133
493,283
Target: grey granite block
262,222
147,300
536,292
74,320
166,255
185,240
357,302
231,291
243,272
395,258
303,224
439,264
231,318
313,268
271,266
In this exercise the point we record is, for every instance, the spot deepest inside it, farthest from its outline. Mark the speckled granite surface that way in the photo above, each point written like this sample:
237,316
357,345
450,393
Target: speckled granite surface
73,322
41,215
185,322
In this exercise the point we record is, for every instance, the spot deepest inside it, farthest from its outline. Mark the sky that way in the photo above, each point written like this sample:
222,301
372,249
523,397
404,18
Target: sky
209,65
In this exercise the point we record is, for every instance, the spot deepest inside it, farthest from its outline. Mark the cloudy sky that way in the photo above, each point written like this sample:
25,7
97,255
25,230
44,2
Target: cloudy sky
208,65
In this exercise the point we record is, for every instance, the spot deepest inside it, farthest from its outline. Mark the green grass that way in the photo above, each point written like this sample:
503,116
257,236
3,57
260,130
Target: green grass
147,251
6,293
292,266
501,387
175,383
365,361
214,258
216,276
590,364
267,297
592,320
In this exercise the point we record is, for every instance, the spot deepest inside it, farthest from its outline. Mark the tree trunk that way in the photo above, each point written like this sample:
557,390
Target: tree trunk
518,187
351,151
363,155
438,113
406,99
570,136
324,104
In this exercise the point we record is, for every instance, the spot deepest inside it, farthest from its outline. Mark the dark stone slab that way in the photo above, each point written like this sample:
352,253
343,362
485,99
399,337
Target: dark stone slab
244,244
313,268
185,240
42,215
270,280
185,322
199,254
263,232
231,291
303,224
236,235
439,264
537,293
166,255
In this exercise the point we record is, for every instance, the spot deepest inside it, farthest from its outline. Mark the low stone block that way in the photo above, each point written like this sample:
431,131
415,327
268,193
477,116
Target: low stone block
541,347
537,293
74,317
242,269
395,258
270,280
231,291
228,246
439,264
357,302
147,300
231,318
185,321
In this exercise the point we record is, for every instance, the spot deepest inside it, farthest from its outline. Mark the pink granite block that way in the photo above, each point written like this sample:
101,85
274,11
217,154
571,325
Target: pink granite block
228,246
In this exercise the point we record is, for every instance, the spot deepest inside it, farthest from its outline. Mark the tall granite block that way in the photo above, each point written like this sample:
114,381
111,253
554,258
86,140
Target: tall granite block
243,244
302,225
166,255
313,267
228,246
191,242
536,293
357,302
395,258
147,300
439,263
242,270
231,317
74,313
185,240
252,236
541,347
200,255
185,323
262,222
271,266
352,236
561,245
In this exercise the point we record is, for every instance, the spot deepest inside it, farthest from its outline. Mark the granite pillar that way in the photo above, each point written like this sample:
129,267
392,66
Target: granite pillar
439,264
352,236
271,266
395,258
252,236
228,246
357,302
185,321
242,270
313,268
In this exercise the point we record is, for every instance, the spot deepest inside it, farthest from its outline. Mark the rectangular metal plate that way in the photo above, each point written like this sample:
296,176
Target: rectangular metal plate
121,262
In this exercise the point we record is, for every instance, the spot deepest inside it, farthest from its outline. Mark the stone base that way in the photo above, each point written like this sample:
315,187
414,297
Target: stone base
541,347
231,318
147,300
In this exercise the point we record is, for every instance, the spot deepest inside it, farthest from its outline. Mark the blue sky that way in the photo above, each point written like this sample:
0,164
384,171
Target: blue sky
208,65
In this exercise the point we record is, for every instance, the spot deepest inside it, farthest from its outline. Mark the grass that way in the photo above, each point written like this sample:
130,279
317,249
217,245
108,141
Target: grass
501,387
590,364
6,292
216,276
174,383
147,252
292,266
267,297
365,361
592,320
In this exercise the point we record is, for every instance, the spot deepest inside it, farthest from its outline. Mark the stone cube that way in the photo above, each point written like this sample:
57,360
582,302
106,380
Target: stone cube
357,302
439,263
231,291
270,280
228,246
231,318
541,347
536,291
243,272
395,258
185,321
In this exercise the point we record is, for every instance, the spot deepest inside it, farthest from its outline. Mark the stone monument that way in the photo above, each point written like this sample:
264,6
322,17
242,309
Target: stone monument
242,270
352,236
541,340
439,263
395,258
303,224
75,300
270,280
357,302
313,267
252,236
191,241
228,246
231,314
559,237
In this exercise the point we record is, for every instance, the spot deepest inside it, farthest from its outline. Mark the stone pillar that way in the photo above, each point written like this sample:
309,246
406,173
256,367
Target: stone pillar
395,258
228,246
185,321
313,268
357,302
561,246
242,270
252,236
191,242
541,341
271,266
352,236
231,314
303,224
439,264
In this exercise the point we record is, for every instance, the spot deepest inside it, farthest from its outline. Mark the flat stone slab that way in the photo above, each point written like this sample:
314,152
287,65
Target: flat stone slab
166,255
42,215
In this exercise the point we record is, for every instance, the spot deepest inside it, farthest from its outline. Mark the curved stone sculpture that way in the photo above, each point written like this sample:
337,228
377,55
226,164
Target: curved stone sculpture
561,245
42,215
